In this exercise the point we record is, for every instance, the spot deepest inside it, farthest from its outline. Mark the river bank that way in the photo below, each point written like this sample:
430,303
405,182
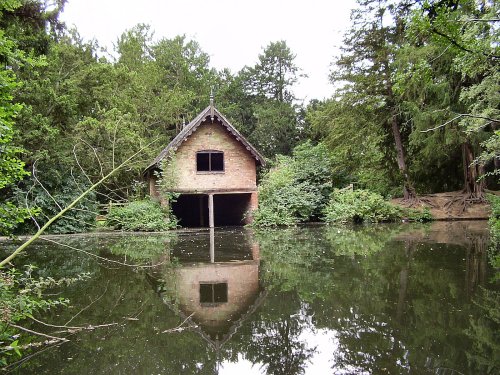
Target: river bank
450,206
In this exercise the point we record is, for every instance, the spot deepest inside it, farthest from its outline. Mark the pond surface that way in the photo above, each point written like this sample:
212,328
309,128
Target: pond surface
394,299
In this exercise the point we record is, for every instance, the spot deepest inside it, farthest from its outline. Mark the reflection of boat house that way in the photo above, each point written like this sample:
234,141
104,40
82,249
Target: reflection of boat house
215,172
215,297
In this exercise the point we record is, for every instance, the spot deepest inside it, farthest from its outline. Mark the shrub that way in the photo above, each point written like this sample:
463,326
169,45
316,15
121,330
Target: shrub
360,206
143,215
80,219
296,189
282,199
22,295
494,222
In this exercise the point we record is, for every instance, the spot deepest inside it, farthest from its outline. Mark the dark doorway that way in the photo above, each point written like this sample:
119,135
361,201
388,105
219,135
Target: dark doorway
230,209
191,210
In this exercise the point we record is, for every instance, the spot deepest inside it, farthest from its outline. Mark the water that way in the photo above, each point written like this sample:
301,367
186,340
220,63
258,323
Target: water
394,299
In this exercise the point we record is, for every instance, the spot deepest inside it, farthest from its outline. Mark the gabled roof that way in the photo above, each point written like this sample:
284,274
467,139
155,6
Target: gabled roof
193,126
216,342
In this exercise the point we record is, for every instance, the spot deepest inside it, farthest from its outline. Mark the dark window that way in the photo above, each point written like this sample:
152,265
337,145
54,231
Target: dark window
213,293
210,161
202,161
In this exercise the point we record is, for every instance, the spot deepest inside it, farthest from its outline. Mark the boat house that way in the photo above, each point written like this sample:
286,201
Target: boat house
215,173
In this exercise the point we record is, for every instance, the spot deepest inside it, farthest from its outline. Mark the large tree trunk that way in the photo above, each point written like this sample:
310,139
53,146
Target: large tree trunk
472,171
408,190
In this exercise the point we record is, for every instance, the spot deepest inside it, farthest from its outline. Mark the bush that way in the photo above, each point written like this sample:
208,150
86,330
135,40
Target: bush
80,219
360,206
143,215
22,295
296,189
494,222
282,199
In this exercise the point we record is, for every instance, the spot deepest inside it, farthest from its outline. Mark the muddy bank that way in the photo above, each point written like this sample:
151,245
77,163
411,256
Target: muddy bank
450,206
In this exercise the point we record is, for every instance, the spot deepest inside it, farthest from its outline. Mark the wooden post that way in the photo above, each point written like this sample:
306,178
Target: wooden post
212,245
211,210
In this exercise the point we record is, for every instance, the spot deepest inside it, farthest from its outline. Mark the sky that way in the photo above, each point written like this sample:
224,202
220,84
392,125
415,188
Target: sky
232,32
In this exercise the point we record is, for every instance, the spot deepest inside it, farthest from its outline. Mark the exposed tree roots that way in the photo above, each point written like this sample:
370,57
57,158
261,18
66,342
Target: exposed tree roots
465,200
416,201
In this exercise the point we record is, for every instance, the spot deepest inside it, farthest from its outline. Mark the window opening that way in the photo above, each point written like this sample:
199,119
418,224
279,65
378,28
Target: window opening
213,292
210,161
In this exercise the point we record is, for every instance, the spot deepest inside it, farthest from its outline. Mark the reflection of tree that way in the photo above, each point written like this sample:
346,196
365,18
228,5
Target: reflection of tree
360,240
393,306
484,332
274,340
142,248
293,259
396,306
476,262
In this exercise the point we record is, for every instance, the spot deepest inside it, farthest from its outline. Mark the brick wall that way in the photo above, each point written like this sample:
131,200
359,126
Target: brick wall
239,165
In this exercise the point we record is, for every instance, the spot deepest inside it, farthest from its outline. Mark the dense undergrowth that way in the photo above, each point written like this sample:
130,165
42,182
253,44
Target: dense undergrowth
142,215
364,206
303,188
23,295
494,223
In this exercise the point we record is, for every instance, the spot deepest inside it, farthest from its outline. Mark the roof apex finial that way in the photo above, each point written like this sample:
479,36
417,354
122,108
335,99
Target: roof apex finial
212,115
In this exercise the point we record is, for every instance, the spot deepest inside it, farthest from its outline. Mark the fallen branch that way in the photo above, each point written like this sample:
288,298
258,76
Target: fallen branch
99,257
180,327
90,304
38,333
86,328
73,329
69,207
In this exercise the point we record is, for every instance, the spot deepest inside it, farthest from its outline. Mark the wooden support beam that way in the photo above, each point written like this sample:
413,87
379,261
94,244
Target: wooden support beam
211,210
212,245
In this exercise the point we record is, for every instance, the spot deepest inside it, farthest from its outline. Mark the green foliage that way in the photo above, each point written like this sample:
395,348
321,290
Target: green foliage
484,333
296,188
274,74
168,178
80,219
491,152
11,216
274,123
143,249
347,206
449,74
494,222
275,130
282,200
145,215
355,144
11,167
21,297
359,206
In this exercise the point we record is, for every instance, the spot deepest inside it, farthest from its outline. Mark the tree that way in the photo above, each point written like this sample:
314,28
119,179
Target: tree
268,86
366,67
34,24
274,74
449,75
11,167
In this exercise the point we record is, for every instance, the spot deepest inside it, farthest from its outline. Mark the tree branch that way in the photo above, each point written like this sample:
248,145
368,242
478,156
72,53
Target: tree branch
460,116
38,333
69,207
456,44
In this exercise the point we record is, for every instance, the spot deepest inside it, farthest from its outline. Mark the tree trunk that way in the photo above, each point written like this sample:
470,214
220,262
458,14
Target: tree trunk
408,190
472,171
